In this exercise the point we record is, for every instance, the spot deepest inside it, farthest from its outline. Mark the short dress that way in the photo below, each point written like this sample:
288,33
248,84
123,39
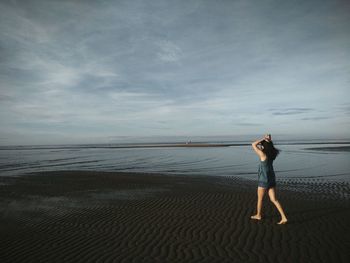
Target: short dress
266,174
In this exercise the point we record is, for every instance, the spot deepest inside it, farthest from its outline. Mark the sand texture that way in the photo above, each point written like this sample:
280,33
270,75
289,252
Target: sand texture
127,217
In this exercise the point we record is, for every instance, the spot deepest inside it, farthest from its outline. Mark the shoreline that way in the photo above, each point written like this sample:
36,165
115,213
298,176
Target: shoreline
85,216
334,148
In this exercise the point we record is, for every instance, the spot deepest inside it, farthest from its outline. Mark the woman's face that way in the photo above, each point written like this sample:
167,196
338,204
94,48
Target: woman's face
260,146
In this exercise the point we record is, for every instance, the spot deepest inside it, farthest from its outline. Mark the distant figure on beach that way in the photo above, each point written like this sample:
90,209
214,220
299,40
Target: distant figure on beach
267,153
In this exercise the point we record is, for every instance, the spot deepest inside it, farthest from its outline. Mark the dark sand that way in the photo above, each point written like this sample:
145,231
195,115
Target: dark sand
125,217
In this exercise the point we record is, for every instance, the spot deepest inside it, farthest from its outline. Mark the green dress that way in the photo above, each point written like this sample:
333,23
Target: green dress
266,174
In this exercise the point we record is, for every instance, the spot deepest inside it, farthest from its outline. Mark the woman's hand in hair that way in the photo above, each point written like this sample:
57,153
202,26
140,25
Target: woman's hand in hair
267,137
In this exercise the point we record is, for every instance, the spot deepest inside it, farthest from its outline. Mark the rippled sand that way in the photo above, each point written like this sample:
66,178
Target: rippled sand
128,217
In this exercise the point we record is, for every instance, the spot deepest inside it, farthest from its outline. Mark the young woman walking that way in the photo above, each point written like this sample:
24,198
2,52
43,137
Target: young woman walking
267,153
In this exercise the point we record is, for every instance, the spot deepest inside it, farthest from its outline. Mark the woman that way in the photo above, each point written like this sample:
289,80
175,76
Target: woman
267,152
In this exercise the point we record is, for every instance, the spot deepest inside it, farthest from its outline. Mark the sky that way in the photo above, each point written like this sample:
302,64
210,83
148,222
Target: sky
102,71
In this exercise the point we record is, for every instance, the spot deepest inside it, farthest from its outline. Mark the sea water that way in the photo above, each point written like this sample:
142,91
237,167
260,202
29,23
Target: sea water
294,161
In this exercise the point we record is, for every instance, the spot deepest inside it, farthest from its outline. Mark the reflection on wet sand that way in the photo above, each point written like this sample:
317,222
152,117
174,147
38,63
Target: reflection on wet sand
332,148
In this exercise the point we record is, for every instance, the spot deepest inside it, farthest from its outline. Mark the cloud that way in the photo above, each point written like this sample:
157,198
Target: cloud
343,108
169,52
315,118
290,111
86,68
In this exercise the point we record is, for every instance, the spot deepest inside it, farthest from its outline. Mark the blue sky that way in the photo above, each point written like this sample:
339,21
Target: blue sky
95,71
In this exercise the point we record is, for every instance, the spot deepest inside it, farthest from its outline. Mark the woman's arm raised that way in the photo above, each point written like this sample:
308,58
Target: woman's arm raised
257,150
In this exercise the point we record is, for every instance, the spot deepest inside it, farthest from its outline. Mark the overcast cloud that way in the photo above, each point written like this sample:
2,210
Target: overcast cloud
90,71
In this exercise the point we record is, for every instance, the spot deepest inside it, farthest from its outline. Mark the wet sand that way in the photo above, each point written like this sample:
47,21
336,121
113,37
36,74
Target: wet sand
331,148
128,217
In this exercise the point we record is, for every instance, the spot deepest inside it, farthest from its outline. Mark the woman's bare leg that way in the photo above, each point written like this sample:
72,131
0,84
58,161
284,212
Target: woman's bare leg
272,195
261,192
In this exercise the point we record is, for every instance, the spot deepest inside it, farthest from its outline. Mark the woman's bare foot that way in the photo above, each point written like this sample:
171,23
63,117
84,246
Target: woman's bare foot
256,217
283,221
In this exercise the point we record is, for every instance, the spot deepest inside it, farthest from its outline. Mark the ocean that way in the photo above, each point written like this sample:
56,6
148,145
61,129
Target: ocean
325,161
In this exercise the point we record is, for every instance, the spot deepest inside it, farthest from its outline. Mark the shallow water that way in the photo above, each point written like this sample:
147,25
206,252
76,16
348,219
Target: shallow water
295,161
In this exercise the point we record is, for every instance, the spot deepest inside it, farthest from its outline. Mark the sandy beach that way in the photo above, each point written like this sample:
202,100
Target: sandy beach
77,216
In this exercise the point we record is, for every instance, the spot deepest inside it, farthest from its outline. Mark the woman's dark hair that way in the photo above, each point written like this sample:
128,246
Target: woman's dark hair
270,150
